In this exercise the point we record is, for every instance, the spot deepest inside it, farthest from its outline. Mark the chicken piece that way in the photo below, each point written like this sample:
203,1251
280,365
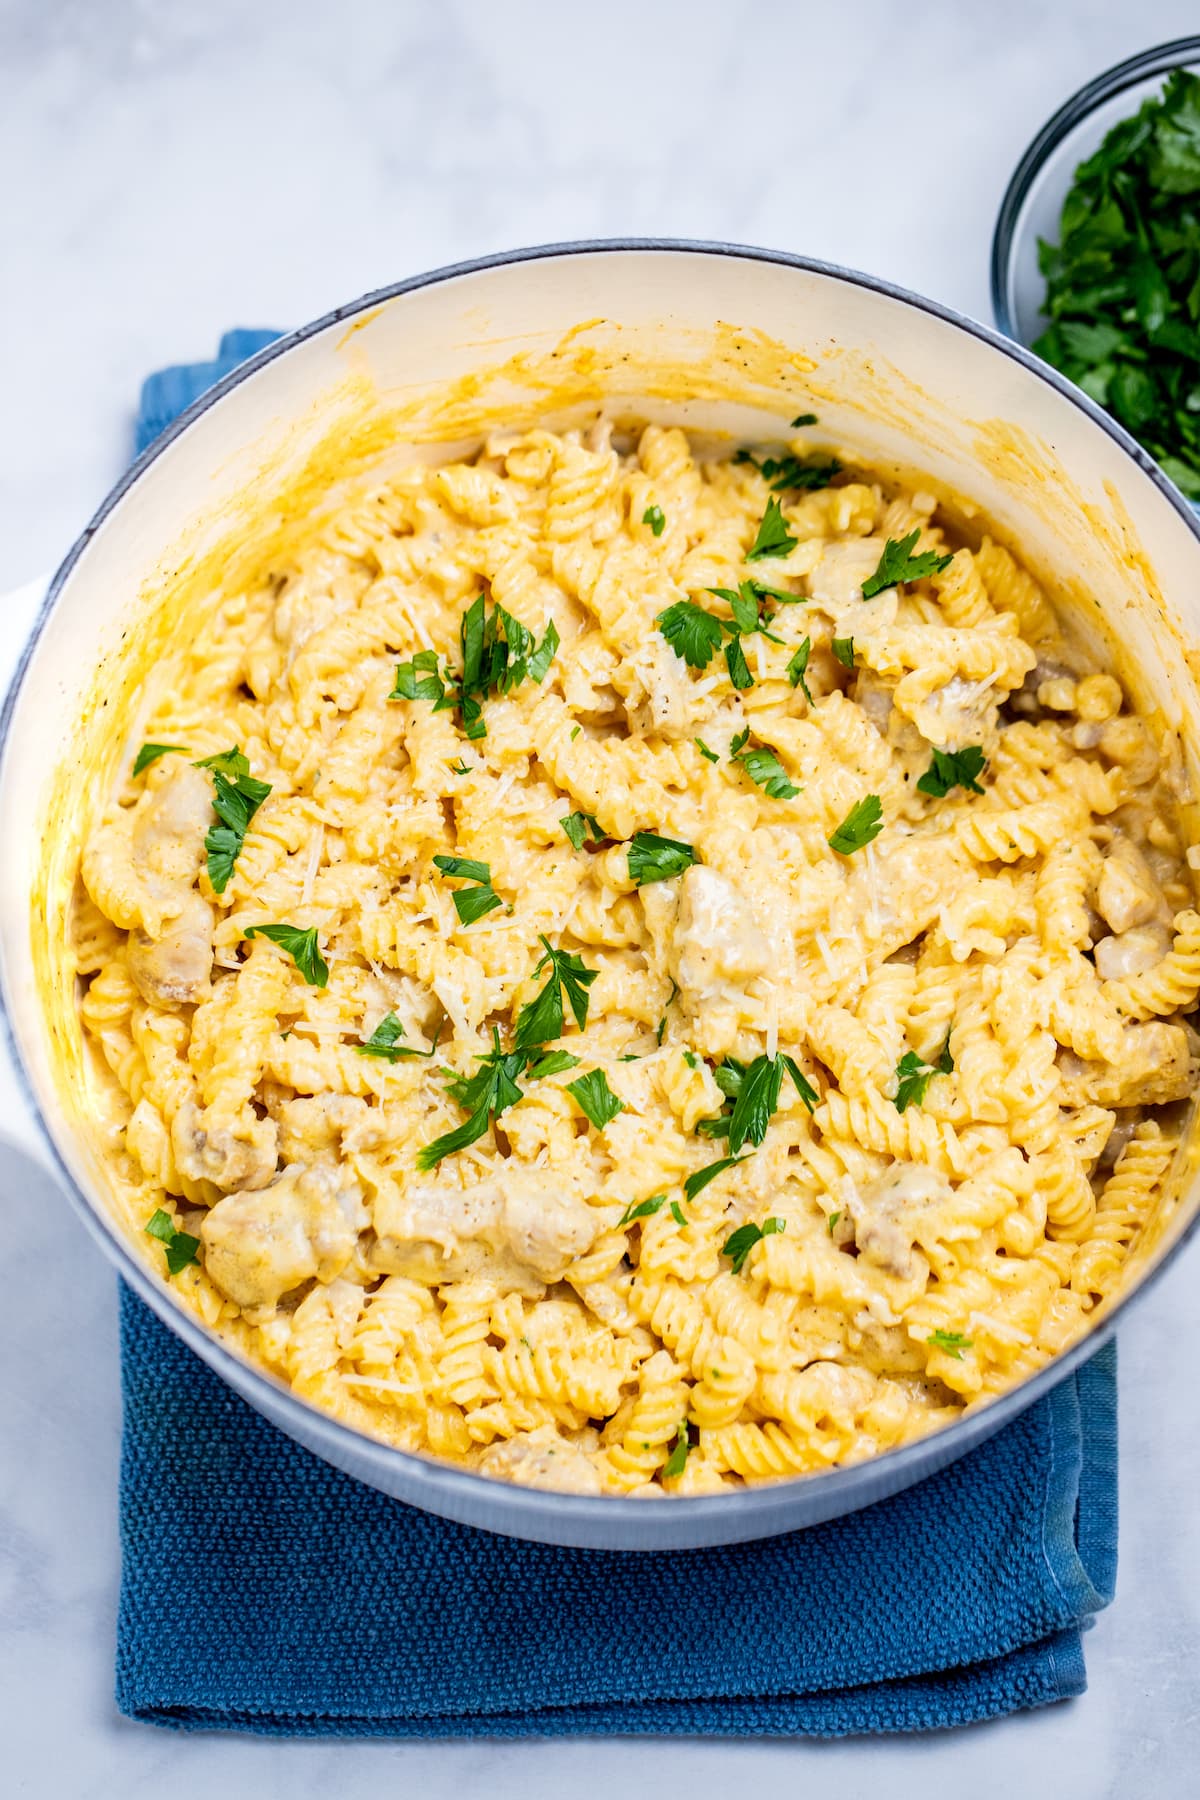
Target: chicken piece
958,713
541,1459
1160,1062
660,694
524,1227
170,827
259,1246
888,1215
1127,893
1132,952
226,1158
176,968
310,1126
717,940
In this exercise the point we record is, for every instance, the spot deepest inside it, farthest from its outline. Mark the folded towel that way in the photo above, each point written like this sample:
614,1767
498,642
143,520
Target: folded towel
264,1591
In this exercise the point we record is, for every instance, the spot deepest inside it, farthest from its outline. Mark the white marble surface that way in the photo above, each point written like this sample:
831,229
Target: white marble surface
171,169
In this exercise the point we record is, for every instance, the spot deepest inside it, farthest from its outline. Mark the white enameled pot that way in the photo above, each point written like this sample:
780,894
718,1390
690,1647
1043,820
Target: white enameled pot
714,336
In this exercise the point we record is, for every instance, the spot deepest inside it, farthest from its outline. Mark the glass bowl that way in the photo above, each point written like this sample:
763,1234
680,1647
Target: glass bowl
1032,204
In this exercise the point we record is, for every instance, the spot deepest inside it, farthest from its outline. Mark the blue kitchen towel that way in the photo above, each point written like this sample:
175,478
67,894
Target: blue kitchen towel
264,1591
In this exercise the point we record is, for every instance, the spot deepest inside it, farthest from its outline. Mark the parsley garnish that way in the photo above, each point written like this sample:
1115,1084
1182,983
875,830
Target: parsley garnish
553,1063
693,634
1123,282
596,1098
706,753
952,1342
474,902
578,826
953,768
642,1209
773,538
498,653
677,1461
655,518
914,1076
766,771
180,1246
754,1089
804,419
898,564
384,1041
237,796
677,1213
843,649
799,472
798,668
863,822
831,1221
460,767
695,1184
301,946
735,662
671,997
740,1243
419,680
151,752
542,1019
483,1096
655,858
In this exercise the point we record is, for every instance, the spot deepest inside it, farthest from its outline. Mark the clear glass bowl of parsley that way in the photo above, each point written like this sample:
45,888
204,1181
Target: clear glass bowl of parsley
1096,254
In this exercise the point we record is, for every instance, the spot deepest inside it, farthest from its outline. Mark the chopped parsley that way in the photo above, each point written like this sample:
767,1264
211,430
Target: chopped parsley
803,419
543,1018
384,1041
237,796
677,1461
952,1342
754,1089
740,1243
773,537
797,669
677,1213
766,771
460,768
580,825
831,1221
671,998
898,564
708,755
695,1184
475,902
953,768
483,1097
656,858
596,1098
642,1209
151,752
914,1076
553,1063
1123,282
798,472
693,634
301,946
735,662
843,649
863,822
655,518
181,1247
498,653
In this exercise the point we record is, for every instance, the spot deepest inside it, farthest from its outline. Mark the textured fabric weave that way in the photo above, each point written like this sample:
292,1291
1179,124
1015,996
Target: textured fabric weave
264,1591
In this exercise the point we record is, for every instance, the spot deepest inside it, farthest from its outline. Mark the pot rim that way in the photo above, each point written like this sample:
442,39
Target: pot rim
759,1511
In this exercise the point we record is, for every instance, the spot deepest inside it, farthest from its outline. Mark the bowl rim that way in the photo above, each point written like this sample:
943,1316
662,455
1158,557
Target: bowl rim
1160,59
769,1508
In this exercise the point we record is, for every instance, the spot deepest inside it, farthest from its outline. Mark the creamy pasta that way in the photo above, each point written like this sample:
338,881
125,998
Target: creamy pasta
685,981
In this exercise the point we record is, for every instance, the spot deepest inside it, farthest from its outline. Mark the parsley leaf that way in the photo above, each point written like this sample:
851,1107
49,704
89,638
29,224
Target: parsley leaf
498,653
483,1096
843,649
301,946
693,634
953,768
553,1063
773,537
671,998
898,564
706,753
754,1089
384,1041
655,518
596,1098
952,1342
863,822
767,772
800,1082
798,667
578,826
237,796
419,680
642,1209
543,1018
914,1076
799,472
735,662
740,1243
695,1184
181,1247
804,419
151,752
474,902
655,858
831,1221
460,767
677,1461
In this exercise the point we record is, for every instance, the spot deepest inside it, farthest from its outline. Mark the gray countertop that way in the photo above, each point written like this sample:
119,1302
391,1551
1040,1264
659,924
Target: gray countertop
173,169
